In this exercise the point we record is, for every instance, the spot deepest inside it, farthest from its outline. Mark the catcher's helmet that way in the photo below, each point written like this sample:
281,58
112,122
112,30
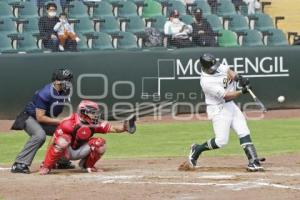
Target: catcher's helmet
209,63
89,112
62,75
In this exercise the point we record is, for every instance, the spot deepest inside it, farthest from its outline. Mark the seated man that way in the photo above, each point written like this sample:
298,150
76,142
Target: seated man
49,36
203,34
178,31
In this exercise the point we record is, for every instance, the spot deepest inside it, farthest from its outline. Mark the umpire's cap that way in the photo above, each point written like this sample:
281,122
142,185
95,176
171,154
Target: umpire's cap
209,63
62,75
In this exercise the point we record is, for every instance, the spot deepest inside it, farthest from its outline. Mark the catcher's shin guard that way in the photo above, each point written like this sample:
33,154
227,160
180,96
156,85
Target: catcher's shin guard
56,151
97,146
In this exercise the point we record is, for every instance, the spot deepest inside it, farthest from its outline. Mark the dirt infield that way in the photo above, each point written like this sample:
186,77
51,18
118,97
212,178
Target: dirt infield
216,178
150,179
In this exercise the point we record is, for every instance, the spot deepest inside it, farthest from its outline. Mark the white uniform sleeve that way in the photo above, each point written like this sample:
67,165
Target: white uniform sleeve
216,91
224,69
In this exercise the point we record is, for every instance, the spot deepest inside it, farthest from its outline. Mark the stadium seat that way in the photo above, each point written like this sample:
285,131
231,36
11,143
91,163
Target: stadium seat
82,45
187,19
158,22
102,9
5,11
7,26
225,8
253,38
6,44
176,5
27,44
276,37
102,41
152,9
27,10
84,25
263,22
127,9
238,23
227,39
135,25
214,22
127,41
30,25
204,6
77,9
109,25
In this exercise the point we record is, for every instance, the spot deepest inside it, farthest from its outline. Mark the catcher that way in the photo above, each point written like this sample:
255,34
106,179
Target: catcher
74,139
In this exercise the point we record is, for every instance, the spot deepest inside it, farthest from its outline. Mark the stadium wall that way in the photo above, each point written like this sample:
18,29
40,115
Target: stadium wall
126,79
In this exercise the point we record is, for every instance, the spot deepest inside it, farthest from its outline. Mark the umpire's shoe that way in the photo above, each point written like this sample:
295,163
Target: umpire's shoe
192,160
20,168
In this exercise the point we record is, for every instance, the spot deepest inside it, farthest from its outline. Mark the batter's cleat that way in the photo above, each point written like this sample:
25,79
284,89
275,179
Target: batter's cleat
44,171
20,168
64,164
254,167
191,160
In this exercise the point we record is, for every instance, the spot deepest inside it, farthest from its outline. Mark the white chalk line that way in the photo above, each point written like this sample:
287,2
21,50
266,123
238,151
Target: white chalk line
4,168
241,185
232,186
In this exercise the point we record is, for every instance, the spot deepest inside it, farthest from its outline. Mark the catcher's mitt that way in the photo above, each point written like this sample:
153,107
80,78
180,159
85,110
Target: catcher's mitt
129,124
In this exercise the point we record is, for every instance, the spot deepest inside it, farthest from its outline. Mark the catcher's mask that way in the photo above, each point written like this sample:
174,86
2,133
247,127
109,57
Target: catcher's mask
89,112
209,63
65,77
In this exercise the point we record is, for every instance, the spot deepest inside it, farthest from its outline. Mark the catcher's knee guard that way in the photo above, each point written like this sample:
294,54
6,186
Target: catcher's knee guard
56,150
98,146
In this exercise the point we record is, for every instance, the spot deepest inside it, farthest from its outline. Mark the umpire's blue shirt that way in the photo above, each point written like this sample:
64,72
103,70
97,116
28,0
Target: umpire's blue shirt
48,99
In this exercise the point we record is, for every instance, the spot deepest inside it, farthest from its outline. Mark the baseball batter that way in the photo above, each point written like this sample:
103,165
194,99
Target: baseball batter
219,85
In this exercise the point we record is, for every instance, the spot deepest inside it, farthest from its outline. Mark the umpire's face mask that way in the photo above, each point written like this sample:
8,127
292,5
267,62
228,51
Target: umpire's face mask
66,85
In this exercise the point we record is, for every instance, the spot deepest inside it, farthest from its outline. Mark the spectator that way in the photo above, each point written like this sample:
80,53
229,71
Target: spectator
237,4
178,31
49,36
202,35
38,119
253,5
64,31
214,5
46,24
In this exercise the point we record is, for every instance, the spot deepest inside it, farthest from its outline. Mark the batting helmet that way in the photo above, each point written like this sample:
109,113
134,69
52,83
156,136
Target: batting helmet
209,63
89,112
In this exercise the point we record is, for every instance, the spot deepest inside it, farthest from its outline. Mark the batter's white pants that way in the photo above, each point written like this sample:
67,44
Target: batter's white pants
224,117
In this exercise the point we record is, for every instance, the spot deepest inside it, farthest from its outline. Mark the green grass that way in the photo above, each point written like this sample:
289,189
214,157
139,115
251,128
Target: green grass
174,139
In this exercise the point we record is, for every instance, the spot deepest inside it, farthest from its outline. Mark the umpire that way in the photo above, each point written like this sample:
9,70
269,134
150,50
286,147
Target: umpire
38,118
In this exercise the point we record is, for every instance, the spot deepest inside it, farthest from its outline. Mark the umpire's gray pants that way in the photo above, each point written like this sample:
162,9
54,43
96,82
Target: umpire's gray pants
37,133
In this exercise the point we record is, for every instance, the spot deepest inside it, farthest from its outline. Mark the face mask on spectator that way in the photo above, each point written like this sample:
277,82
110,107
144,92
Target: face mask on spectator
176,20
52,14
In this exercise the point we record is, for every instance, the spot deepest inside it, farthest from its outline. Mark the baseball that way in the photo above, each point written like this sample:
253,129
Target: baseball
281,99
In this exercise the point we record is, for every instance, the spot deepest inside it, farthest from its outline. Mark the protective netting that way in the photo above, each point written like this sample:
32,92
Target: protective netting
78,25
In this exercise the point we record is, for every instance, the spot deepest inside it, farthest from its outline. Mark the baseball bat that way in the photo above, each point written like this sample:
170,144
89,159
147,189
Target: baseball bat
254,97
